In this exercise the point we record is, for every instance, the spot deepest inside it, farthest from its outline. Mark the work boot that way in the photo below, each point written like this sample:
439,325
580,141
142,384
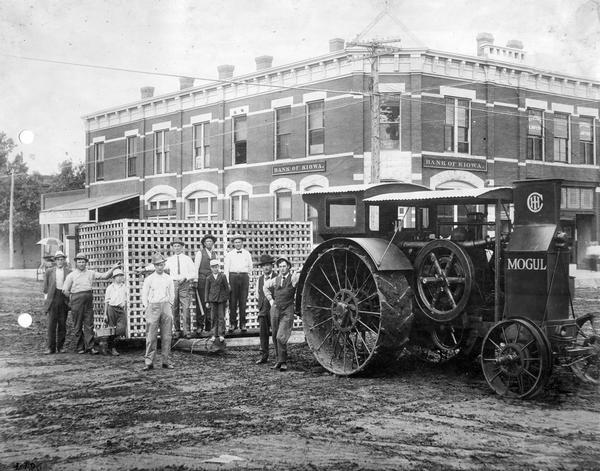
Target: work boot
113,352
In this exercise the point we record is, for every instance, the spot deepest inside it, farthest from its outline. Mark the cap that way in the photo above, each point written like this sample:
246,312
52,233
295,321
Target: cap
81,256
177,241
283,259
59,254
266,260
214,262
157,258
117,272
237,237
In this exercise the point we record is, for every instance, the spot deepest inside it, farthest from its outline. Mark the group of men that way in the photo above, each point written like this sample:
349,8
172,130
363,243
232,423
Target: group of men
166,298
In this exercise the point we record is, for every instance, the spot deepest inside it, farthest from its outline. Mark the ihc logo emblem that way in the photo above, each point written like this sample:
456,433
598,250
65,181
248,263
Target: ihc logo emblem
535,202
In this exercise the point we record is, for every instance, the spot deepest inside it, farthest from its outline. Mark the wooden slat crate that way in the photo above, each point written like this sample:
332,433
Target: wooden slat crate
133,241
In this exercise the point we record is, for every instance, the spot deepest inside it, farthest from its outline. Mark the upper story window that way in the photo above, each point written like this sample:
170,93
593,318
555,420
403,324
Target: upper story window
99,160
130,144
161,151
456,129
239,206
561,137
316,127
576,198
161,206
586,140
201,145
535,134
240,136
201,205
283,205
283,132
389,124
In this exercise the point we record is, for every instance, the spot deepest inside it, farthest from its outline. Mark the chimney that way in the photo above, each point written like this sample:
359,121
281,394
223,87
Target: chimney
336,44
483,39
147,92
225,71
514,44
264,62
185,82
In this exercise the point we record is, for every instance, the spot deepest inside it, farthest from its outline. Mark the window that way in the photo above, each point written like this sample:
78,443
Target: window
161,152
201,205
316,127
99,160
561,137
535,135
240,136
239,206
389,124
576,198
340,212
161,206
586,140
131,150
456,130
310,212
283,205
283,132
201,145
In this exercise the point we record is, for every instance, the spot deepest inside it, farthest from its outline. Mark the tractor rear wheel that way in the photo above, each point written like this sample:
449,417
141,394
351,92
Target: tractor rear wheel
587,366
354,315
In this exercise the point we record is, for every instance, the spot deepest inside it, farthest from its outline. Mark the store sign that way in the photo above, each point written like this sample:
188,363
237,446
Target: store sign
455,163
299,168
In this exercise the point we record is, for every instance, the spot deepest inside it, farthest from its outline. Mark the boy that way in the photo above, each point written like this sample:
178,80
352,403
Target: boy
216,294
115,308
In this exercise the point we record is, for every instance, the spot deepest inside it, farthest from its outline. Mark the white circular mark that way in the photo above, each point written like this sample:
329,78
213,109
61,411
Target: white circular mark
25,320
26,136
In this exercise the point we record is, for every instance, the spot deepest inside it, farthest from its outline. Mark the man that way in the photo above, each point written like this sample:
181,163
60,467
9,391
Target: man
264,306
238,267
217,294
282,309
78,287
56,303
181,269
202,262
115,309
158,295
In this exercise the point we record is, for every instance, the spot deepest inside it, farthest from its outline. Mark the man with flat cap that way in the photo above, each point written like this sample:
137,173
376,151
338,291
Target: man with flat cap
202,264
282,308
264,306
55,303
182,270
78,287
238,267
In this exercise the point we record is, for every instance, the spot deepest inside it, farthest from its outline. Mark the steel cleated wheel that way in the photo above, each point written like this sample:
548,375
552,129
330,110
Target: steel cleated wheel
587,342
353,315
515,358
444,278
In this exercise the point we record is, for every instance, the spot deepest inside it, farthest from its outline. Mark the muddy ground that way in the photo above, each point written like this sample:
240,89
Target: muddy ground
71,412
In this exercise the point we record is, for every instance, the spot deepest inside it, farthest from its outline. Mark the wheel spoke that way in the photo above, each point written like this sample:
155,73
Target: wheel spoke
450,263
372,313
355,352
429,279
520,384
530,374
346,270
436,263
324,339
504,335
363,342
329,319
320,291
496,375
361,322
336,270
495,344
456,280
368,297
449,294
327,278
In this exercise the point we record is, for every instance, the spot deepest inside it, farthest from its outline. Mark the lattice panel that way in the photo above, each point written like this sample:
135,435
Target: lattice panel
133,241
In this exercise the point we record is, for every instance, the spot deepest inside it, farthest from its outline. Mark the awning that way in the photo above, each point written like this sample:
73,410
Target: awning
79,210
465,196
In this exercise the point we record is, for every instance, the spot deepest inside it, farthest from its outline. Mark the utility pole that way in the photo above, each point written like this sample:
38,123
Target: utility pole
11,245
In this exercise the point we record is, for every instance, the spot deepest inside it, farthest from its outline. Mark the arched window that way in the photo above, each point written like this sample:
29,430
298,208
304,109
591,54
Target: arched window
310,212
201,205
161,206
283,205
239,206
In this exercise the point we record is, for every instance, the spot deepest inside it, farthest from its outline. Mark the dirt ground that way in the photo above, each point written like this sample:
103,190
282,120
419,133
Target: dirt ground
72,412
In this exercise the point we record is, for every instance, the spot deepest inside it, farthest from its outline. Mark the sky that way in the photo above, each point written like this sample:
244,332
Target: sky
192,37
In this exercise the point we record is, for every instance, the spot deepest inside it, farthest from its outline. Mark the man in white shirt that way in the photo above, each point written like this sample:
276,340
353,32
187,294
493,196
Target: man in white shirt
56,303
157,298
182,270
237,269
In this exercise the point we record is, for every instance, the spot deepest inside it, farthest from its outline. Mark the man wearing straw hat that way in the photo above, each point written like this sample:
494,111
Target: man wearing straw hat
238,267
181,269
56,303
264,306
202,262
115,308
78,286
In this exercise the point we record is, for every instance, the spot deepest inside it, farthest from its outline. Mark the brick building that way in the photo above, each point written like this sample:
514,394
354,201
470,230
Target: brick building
246,147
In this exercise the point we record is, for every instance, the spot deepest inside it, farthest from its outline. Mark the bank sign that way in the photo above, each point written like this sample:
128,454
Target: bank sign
299,168
455,163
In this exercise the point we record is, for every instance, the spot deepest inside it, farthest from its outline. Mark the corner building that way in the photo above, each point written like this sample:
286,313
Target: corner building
246,147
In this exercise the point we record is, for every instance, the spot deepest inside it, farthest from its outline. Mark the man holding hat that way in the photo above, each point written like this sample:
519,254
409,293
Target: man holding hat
55,303
238,267
202,262
182,270
264,306
283,288
115,308
158,294
78,286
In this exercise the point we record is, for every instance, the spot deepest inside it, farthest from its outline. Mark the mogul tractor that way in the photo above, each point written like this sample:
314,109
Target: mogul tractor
481,272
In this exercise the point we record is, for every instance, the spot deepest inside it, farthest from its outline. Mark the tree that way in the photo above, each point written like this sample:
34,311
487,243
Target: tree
70,177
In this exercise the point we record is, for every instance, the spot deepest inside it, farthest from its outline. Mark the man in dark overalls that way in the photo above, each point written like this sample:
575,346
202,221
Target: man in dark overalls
202,263
264,306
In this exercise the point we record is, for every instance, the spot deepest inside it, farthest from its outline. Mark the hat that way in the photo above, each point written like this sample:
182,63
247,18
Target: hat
266,260
214,262
208,236
157,258
80,256
117,272
283,259
49,258
237,236
59,254
177,241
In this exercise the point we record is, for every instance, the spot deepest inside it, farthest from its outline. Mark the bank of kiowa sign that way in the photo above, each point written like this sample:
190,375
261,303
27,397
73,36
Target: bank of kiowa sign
535,202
